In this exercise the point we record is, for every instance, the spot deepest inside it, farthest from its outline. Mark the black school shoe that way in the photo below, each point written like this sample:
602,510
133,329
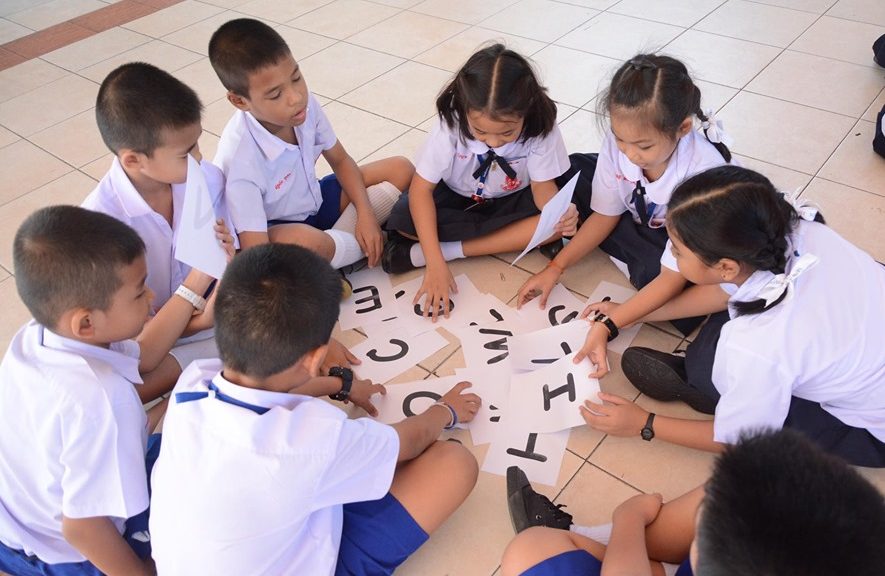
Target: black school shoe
396,257
551,249
528,508
662,376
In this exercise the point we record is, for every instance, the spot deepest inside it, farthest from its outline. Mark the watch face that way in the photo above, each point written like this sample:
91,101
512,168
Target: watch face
647,434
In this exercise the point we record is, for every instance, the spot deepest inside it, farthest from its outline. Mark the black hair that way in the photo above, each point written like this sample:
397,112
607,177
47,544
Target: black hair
736,213
660,88
241,47
497,82
136,101
776,505
276,303
68,257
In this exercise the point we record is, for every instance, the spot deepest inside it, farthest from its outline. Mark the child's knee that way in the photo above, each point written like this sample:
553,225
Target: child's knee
402,171
456,462
521,554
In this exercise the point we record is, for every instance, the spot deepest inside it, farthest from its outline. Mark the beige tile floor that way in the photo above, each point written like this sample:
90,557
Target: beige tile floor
793,79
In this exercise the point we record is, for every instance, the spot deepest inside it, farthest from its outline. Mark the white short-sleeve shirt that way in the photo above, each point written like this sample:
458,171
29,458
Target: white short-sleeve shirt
73,441
615,177
446,156
823,343
116,196
235,492
267,178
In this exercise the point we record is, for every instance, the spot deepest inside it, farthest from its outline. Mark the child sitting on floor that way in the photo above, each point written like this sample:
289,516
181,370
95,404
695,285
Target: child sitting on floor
259,476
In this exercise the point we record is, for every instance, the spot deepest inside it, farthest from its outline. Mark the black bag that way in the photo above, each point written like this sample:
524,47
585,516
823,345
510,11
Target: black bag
879,138
879,51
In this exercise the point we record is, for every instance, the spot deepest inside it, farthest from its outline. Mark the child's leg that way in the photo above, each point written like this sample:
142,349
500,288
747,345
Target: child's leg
433,485
535,545
397,170
303,235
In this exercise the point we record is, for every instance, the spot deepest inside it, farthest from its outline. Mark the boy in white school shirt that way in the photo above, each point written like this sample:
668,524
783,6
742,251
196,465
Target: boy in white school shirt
269,149
73,432
150,120
258,476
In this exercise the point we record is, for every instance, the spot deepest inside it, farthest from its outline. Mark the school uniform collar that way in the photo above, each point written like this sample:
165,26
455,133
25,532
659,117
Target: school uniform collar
253,396
661,189
131,201
121,356
271,146
478,148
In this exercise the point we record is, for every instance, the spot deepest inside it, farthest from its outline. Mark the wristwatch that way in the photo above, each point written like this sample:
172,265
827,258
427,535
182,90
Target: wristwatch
609,324
648,431
346,375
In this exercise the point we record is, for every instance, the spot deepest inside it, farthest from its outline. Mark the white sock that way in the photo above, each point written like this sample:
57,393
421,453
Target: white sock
450,251
601,534
347,249
382,197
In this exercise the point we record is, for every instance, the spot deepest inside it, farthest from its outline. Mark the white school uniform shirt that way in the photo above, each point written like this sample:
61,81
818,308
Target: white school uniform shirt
235,492
615,177
267,178
823,343
447,156
73,439
116,196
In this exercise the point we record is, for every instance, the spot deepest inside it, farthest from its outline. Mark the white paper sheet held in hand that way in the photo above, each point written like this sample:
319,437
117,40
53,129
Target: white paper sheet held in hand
535,350
548,399
410,398
196,244
552,213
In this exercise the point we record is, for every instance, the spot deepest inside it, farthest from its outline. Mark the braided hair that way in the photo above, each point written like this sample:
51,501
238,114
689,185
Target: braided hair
735,213
661,88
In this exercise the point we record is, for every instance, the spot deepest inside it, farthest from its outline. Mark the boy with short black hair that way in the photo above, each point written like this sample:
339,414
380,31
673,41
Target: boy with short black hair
269,149
271,479
74,432
151,121
775,504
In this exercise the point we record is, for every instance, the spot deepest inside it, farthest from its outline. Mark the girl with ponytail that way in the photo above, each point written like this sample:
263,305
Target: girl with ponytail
796,336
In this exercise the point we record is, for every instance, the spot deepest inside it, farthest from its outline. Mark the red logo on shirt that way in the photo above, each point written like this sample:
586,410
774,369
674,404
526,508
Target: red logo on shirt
279,184
511,184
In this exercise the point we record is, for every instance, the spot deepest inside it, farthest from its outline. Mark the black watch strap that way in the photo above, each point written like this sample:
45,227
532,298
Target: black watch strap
609,324
648,431
346,375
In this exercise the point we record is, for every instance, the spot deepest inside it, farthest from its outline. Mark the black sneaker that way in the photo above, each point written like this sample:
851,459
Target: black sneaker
662,376
551,249
396,257
528,508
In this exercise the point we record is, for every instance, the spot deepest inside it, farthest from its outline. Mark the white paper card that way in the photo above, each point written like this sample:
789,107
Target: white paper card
410,398
372,300
562,307
618,294
552,213
386,358
465,305
483,344
539,455
195,242
538,349
492,384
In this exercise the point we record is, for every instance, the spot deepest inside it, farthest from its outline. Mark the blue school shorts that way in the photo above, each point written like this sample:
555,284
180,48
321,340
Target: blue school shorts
580,563
330,209
17,563
378,536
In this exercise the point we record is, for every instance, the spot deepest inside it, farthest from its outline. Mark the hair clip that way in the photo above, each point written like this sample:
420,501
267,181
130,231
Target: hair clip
642,64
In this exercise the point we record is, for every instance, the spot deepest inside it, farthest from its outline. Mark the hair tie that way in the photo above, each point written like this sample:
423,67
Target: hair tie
805,209
714,129
642,64
776,287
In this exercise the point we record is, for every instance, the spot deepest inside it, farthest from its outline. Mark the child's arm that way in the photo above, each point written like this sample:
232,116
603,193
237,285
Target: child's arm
361,391
627,553
657,292
98,540
620,417
161,332
438,279
368,232
693,301
589,236
416,433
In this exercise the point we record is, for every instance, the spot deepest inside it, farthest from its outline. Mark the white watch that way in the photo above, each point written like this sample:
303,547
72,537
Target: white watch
197,301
